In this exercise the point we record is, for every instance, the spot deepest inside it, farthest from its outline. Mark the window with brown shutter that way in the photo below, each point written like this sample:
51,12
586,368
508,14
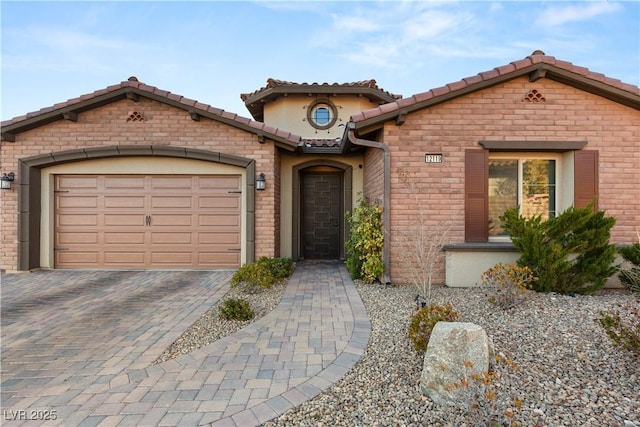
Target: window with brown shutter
476,205
585,186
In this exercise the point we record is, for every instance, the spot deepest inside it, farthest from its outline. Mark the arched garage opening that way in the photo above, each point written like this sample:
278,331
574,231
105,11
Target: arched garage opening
30,190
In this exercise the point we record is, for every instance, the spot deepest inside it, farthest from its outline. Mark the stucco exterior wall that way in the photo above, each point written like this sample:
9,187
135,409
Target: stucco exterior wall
290,113
287,163
501,113
163,125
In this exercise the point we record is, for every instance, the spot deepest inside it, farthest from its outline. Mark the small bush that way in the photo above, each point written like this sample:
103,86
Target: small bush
425,319
623,327
235,309
280,268
262,274
508,284
364,247
478,396
253,276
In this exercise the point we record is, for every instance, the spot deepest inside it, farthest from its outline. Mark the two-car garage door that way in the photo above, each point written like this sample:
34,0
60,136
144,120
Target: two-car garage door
147,221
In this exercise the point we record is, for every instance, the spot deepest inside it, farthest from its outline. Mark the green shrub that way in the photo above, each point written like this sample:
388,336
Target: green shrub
235,309
570,253
364,247
623,327
253,276
425,319
630,273
508,283
280,268
262,274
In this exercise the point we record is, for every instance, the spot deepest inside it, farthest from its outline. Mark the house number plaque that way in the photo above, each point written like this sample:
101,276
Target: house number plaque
433,158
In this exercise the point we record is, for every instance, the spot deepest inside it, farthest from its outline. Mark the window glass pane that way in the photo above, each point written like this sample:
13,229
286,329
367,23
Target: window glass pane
321,115
503,191
538,188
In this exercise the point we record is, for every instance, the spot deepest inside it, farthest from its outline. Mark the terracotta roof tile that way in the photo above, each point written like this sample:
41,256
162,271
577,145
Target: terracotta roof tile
457,85
272,83
506,69
84,102
488,75
499,74
472,80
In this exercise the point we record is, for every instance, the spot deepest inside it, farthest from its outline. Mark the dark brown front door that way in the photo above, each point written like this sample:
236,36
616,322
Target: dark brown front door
321,215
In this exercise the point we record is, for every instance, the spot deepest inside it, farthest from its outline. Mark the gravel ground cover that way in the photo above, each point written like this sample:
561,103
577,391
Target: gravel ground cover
210,327
566,371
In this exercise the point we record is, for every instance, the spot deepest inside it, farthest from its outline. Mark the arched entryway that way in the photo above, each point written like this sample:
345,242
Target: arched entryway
322,192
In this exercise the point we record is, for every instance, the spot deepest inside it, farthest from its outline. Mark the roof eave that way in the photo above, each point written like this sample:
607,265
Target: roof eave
289,141
534,71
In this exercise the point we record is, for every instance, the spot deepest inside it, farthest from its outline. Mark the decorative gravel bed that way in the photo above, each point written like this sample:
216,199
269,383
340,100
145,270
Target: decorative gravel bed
569,373
210,327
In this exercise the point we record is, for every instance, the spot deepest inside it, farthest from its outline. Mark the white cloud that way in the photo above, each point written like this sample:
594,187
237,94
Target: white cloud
555,16
395,34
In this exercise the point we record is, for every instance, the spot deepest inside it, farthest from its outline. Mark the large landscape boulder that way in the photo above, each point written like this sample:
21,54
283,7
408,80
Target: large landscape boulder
451,346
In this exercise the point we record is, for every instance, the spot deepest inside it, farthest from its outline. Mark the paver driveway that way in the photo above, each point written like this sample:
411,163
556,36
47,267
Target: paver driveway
81,343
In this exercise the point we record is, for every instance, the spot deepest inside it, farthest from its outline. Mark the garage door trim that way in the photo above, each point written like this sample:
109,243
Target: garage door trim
29,188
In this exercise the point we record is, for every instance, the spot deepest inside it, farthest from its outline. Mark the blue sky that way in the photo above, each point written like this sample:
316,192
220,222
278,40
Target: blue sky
213,51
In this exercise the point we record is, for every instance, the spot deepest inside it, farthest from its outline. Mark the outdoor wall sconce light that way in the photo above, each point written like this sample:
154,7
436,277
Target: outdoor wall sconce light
260,182
6,180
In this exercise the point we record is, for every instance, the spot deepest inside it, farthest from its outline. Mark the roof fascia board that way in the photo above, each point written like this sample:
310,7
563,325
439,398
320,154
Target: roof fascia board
47,117
320,89
597,88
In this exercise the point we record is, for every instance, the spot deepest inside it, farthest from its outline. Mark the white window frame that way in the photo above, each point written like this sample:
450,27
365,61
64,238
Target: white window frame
560,175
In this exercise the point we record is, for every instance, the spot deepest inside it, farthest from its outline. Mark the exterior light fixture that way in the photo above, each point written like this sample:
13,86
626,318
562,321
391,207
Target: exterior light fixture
6,180
260,182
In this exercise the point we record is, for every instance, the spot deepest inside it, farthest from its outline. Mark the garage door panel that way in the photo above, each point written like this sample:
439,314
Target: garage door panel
218,221
124,220
120,183
172,182
88,219
131,202
171,238
172,202
123,259
77,258
131,238
220,202
79,202
172,220
172,258
89,238
219,260
219,238
77,182
219,182
152,221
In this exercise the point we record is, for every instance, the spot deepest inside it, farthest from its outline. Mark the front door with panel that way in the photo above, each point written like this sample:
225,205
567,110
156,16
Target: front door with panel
321,215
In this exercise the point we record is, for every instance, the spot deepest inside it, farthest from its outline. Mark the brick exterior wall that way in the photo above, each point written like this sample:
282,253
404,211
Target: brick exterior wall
502,113
373,174
163,125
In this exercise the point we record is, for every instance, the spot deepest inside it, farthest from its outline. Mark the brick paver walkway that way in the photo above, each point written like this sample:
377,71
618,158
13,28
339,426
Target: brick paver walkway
80,343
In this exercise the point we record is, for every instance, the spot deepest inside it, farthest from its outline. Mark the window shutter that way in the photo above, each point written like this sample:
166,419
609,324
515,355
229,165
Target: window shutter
585,181
476,196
